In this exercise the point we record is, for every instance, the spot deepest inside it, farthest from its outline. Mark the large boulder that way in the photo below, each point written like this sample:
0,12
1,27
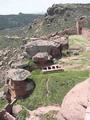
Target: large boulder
59,9
33,47
16,109
18,74
53,46
75,102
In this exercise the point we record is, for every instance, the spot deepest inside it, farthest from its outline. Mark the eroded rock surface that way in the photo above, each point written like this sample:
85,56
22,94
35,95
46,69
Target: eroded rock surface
75,102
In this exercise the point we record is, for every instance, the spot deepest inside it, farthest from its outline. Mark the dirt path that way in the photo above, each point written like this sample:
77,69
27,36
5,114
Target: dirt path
35,114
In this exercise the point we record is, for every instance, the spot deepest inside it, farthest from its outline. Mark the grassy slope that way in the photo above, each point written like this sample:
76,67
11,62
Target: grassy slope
12,42
10,21
9,43
59,84
78,41
82,61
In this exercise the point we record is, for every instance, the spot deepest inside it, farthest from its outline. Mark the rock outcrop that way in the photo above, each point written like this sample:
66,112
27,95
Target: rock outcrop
53,46
59,17
75,102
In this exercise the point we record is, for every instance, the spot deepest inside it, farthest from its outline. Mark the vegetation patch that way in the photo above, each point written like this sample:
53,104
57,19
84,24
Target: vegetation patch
58,85
78,41
22,115
3,102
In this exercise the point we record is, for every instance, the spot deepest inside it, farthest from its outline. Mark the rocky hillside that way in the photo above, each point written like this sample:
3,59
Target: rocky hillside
10,21
59,17
50,87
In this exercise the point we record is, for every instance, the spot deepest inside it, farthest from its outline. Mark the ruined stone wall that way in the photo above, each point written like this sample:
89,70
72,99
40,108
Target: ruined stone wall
19,89
32,50
86,32
70,31
42,62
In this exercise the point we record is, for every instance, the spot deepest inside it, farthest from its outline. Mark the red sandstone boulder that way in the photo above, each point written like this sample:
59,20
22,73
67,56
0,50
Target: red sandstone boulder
16,109
8,116
75,102
87,49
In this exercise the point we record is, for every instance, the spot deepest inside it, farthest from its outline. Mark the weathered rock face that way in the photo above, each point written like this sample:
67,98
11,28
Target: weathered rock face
34,47
59,10
2,76
18,74
4,115
42,59
39,113
75,102
16,109
8,57
53,46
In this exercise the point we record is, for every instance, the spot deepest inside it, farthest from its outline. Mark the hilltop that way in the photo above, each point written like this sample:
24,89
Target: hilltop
58,18
11,21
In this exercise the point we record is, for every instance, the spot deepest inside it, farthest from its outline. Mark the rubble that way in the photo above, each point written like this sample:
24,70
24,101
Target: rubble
8,57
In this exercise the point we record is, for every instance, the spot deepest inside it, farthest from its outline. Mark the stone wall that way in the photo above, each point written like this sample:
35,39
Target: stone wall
70,31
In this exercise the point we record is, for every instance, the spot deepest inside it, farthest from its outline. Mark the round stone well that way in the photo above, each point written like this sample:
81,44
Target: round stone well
19,84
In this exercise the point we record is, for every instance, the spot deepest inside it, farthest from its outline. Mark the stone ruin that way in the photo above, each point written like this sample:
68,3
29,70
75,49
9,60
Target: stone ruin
80,24
81,29
54,44
41,50
46,49
52,68
17,86
42,58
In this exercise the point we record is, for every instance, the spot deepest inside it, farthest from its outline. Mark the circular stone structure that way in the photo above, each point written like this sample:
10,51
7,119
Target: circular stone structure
19,84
